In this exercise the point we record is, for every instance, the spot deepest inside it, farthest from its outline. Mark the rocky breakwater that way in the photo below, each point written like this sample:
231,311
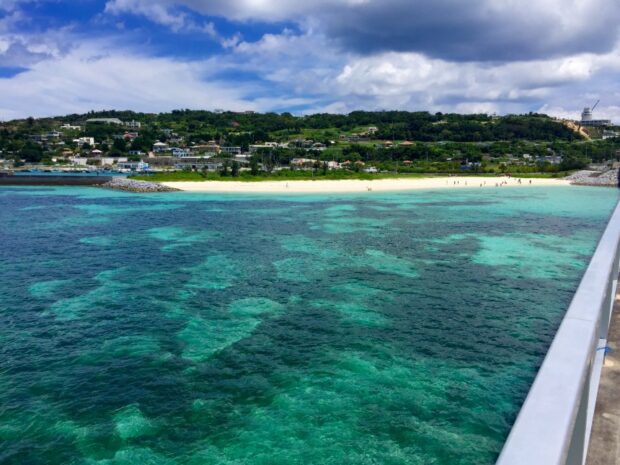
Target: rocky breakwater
594,178
132,185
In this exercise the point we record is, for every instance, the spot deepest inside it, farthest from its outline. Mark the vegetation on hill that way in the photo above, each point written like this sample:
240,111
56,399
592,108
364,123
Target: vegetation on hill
395,141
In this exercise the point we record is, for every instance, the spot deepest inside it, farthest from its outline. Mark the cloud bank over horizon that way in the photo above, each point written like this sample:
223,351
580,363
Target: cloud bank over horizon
489,56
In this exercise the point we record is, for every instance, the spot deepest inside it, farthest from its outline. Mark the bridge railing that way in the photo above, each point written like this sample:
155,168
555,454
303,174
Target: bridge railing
553,426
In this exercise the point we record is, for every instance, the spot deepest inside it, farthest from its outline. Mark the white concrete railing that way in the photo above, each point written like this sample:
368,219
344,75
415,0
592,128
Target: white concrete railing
553,426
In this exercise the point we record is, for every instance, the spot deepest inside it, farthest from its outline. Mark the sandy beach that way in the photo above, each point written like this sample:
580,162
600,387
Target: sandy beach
356,185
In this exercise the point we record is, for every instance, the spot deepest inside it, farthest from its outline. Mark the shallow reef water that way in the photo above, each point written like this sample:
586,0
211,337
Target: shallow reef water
203,329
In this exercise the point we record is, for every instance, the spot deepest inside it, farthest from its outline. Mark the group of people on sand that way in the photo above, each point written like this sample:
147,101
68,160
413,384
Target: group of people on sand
497,184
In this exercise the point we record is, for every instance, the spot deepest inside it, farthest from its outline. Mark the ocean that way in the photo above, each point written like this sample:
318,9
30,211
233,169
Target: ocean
199,329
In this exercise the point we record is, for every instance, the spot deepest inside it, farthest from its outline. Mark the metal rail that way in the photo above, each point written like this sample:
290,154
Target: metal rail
553,426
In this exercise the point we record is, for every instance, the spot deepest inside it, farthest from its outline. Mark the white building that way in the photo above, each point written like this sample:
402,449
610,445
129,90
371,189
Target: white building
132,166
105,121
586,119
133,124
85,140
159,147
69,127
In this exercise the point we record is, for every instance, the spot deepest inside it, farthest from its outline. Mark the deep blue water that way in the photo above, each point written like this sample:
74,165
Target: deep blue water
200,329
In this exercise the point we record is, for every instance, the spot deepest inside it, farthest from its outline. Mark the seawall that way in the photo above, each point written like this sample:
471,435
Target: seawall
12,180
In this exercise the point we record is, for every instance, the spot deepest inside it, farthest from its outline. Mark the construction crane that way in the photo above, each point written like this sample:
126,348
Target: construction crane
592,109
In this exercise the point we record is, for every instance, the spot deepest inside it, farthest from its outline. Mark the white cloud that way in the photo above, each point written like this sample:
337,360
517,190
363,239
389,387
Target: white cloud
475,30
89,78
307,70
307,64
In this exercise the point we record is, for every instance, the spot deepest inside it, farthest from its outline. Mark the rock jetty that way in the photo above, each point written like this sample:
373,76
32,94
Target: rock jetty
594,178
132,185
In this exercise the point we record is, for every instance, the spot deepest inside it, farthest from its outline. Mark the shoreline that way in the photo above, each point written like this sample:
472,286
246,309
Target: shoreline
357,185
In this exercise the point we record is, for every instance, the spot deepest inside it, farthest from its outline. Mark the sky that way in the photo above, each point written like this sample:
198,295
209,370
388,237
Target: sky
307,56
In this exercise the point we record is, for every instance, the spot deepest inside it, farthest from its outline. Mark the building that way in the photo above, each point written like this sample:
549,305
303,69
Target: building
54,135
85,140
181,153
133,124
198,163
98,161
162,162
39,138
586,119
231,150
132,166
210,147
69,127
265,146
159,147
104,121
302,162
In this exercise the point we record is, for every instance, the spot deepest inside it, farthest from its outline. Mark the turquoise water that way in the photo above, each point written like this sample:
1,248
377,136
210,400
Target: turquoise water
197,329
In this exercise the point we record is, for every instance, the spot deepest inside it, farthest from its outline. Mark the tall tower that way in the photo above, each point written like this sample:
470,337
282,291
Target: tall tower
586,114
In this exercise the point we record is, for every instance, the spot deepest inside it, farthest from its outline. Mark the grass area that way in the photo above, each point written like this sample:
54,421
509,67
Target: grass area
286,175
171,176
559,174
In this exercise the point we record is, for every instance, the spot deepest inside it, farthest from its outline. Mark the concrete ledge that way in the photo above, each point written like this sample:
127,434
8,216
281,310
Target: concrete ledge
54,180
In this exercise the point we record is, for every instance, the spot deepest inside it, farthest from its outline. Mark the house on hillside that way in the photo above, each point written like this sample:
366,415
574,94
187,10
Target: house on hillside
181,153
159,147
85,140
133,124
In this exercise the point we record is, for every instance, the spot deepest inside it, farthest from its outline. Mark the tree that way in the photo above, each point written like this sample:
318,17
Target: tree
224,170
120,145
32,153
253,166
235,169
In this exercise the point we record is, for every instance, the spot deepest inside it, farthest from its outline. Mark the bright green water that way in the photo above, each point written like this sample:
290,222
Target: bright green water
347,329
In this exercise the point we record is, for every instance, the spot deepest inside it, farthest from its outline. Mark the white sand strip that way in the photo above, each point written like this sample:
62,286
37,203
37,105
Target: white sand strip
356,185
